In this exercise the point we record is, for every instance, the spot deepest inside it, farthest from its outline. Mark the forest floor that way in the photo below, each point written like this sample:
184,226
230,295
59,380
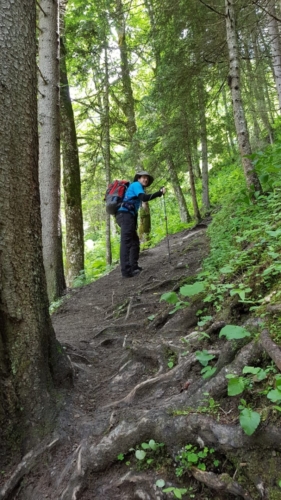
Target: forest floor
137,380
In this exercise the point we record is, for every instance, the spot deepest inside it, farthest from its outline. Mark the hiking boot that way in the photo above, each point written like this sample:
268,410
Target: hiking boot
131,275
136,271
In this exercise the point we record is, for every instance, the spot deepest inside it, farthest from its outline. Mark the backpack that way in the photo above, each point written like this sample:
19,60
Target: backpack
114,195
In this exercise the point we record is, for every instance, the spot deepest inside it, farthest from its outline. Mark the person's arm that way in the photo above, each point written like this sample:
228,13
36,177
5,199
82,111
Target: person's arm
148,197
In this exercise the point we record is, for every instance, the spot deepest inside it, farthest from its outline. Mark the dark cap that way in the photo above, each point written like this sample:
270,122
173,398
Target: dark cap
140,174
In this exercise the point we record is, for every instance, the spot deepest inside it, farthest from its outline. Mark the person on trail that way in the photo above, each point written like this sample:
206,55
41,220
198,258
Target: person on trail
126,218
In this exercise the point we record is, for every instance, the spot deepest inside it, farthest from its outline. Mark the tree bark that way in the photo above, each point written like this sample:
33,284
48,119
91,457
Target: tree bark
204,146
238,109
27,340
74,253
275,47
106,150
184,213
49,147
128,102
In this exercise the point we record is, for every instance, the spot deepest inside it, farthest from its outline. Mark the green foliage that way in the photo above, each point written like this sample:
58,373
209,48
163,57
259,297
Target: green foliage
191,456
185,291
178,492
248,419
204,357
234,332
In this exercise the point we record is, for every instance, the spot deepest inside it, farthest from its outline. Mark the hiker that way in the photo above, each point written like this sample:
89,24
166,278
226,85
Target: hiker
126,218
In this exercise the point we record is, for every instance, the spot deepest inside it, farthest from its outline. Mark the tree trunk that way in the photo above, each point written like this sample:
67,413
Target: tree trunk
74,252
27,339
106,149
128,103
275,46
184,213
238,109
49,147
263,108
204,146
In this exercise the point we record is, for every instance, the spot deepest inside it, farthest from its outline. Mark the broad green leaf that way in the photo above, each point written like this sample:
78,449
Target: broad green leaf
192,457
226,269
274,395
145,446
249,420
208,371
275,234
152,444
170,297
234,332
204,357
190,290
235,386
140,454
160,483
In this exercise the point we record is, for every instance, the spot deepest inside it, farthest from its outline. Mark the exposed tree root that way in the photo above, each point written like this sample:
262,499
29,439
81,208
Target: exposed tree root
174,432
221,483
271,348
160,285
169,379
114,328
27,463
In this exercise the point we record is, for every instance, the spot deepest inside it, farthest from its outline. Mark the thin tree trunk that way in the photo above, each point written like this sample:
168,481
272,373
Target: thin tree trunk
106,127
74,252
275,46
49,147
204,146
184,213
238,109
263,109
129,103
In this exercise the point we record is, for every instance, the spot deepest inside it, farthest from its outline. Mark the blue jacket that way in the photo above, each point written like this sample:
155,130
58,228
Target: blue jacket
131,196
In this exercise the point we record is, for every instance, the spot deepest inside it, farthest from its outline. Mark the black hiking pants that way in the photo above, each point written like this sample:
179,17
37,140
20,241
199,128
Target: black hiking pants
130,243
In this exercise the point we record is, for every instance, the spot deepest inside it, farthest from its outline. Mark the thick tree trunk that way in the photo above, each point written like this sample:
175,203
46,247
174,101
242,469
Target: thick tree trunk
184,213
27,339
275,46
74,252
49,146
238,109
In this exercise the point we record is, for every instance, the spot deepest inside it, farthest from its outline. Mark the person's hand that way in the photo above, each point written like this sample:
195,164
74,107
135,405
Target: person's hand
163,190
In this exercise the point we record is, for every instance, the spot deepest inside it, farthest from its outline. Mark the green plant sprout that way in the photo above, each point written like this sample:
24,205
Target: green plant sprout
185,291
248,419
204,357
190,456
178,492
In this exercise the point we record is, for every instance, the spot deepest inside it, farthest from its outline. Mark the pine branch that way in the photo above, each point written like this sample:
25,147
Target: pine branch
41,8
211,8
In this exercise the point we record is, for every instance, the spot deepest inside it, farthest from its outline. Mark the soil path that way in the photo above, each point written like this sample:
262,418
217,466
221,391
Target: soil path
137,379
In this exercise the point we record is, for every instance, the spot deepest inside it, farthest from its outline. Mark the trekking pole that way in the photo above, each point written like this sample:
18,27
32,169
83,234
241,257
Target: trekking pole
167,234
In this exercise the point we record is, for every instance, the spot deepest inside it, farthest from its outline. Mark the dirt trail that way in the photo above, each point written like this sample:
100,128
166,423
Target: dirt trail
135,377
